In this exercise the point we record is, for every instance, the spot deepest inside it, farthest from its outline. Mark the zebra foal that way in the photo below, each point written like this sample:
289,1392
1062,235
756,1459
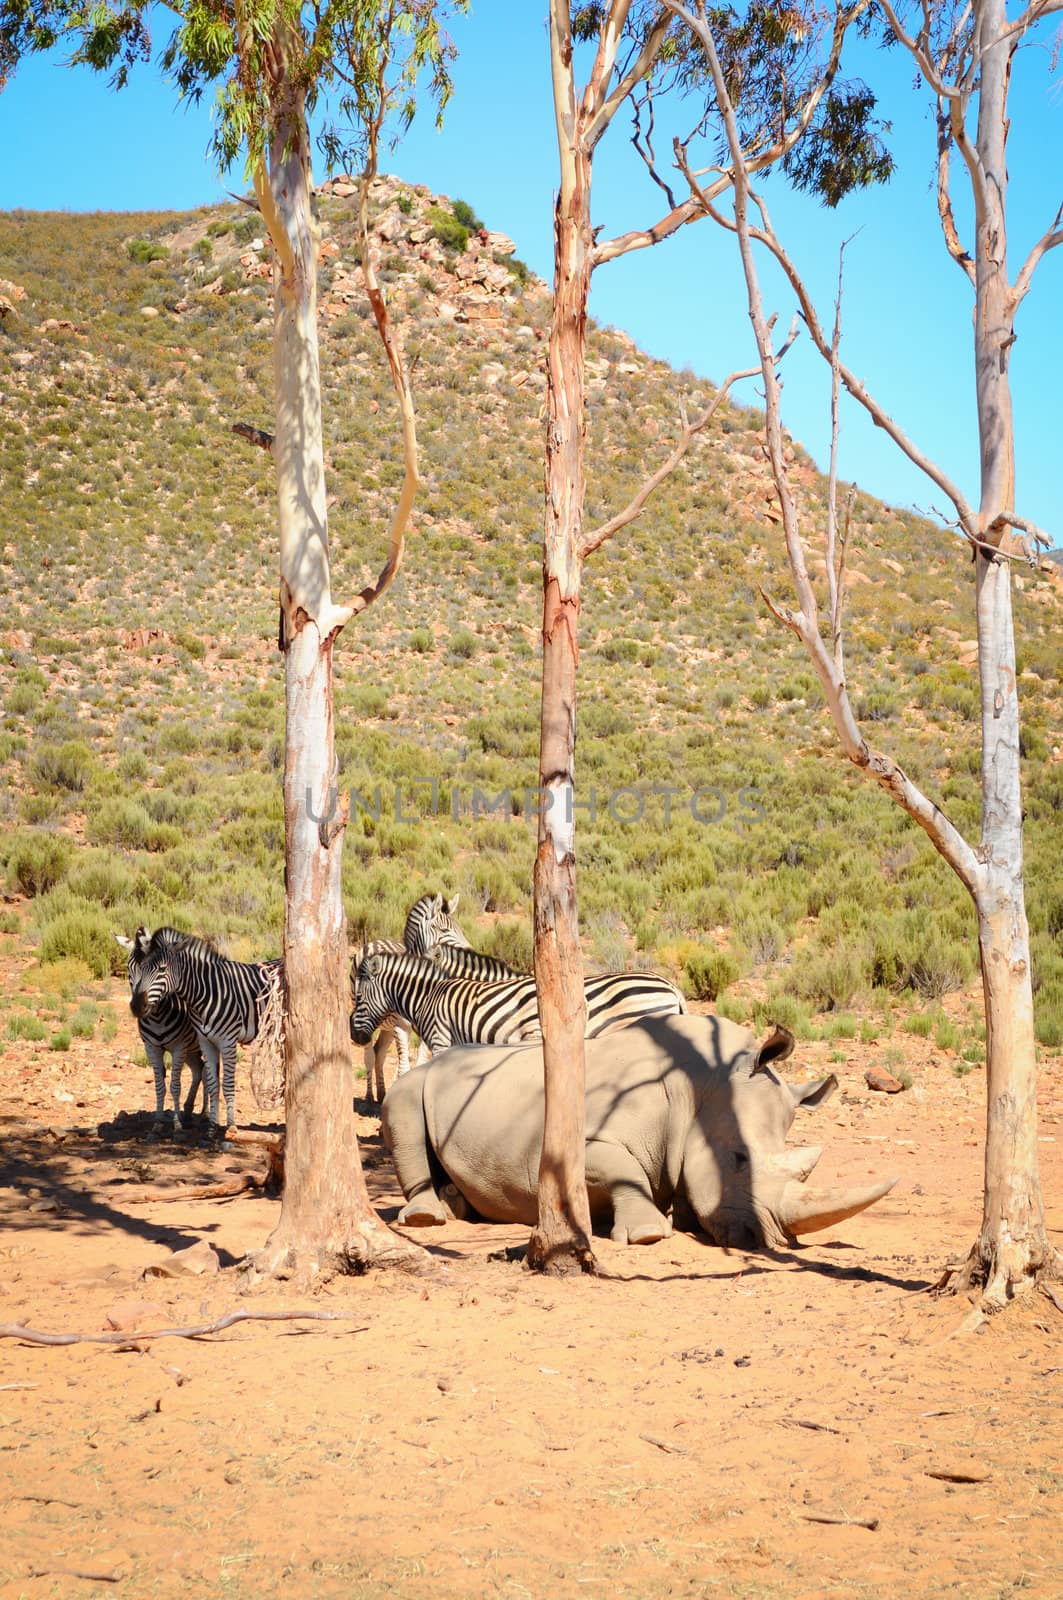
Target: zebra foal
168,1031
447,1010
224,1001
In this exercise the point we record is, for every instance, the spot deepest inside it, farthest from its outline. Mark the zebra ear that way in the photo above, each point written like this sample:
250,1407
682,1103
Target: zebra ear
438,904
372,966
120,938
451,905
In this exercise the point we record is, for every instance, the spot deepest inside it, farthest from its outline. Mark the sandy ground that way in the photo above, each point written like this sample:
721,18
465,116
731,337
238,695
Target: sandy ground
691,1423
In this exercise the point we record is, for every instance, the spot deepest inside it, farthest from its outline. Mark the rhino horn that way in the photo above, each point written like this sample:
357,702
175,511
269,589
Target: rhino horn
803,1210
795,1163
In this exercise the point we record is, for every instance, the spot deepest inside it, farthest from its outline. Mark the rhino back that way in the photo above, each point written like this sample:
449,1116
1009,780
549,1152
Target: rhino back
483,1105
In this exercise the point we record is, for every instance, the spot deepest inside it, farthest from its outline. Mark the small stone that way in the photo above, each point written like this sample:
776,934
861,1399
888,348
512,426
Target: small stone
885,1082
127,1314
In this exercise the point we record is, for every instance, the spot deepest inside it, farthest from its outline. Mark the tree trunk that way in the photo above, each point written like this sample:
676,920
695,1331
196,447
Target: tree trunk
562,1238
326,1221
1013,1246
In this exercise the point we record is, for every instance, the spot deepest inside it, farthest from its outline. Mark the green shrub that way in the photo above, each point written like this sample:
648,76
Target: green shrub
87,936
37,861
368,701
447,229
707,973
619,649
145,251
64,766
511,941
83,1023
60,1040
464,644
102,879
20,1025
421,640
122,822
831,976
24,697
467,217
947,1035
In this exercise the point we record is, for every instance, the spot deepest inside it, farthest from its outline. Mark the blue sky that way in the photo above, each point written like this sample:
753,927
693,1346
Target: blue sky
907,329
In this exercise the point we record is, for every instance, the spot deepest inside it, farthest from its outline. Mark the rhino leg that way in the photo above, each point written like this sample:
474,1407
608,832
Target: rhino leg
423,1210
406,1136
613,1171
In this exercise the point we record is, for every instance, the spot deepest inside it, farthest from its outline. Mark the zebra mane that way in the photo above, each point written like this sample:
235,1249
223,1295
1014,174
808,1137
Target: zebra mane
193,944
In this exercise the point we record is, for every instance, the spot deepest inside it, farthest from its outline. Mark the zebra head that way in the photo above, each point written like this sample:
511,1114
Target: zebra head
370,1003
136,949
430,921
152,979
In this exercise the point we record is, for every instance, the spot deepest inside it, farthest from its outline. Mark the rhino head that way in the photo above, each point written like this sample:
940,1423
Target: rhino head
745,1188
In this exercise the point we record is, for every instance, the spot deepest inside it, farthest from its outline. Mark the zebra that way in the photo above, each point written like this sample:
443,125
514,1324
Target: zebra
447,1010
429,925
169,1030
224,1000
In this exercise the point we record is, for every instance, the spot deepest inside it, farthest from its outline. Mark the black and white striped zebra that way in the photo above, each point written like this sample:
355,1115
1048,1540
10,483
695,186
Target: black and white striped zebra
168,1031
447,1010
224,1000
429,925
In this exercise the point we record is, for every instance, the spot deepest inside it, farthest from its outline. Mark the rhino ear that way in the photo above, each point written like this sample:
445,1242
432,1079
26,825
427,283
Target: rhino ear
813,1094
776,1047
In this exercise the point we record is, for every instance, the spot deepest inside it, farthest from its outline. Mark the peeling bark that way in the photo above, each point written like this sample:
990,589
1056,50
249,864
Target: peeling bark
326,1223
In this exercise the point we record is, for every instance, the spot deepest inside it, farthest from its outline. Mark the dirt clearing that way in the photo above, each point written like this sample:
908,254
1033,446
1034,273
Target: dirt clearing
692,1423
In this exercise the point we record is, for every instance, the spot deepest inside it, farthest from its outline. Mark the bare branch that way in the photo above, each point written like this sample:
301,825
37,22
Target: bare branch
805,621
690,210
944,197
253,435
766,235
397,532
1051,237
688,433
11,1330
645,148
636,73
918,49
833,588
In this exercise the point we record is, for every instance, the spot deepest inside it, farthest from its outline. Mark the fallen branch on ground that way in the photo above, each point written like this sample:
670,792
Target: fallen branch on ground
90,1574
12,1330
204,1191
870,1523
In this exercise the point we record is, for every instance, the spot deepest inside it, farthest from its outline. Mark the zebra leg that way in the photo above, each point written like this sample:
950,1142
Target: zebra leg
401,1033
177,1061
376,1054
228,1082
210,1079
195,1067
157,1060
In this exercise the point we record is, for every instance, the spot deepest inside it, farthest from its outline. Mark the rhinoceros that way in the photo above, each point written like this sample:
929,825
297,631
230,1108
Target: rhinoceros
685,1114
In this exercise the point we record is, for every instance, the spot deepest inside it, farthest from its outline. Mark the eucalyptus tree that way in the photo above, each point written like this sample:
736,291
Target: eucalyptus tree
270,65
964,52
793,104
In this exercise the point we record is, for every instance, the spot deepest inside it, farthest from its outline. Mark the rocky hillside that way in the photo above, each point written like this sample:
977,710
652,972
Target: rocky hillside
723,837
